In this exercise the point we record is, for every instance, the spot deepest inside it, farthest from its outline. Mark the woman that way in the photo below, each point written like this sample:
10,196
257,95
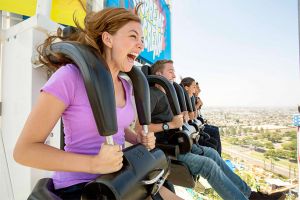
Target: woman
117,35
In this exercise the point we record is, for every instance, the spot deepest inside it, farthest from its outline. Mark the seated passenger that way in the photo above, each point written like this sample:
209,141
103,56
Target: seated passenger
201,160
212,130
117,35
193,89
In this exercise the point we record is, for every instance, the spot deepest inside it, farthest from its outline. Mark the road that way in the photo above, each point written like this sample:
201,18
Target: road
243,153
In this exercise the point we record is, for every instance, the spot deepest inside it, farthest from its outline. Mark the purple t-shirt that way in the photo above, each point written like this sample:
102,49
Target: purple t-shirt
81,134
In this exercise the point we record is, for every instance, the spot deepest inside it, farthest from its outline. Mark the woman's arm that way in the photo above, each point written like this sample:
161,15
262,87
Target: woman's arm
147,140
31,151
130,136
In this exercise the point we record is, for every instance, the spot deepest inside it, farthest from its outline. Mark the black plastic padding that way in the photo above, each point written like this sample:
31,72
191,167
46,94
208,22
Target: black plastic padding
181,175
126,184
183,139
98,83
169,89
193,103
62,135
169,149
44,189
180,96
187,100
141,94
146,70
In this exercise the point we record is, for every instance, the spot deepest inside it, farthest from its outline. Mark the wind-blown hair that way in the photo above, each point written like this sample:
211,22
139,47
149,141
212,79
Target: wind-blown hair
95,23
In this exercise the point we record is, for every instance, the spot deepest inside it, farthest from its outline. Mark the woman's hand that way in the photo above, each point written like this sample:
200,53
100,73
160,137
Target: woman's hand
108,160
147,140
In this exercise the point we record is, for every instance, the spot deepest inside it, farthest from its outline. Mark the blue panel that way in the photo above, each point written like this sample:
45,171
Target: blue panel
156,21
112,3
296,119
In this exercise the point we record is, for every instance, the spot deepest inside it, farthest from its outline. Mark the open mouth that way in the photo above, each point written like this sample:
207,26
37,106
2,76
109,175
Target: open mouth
131,57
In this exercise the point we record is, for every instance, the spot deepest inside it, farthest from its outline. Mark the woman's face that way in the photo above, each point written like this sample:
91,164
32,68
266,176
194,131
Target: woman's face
198,90
191,89
126,44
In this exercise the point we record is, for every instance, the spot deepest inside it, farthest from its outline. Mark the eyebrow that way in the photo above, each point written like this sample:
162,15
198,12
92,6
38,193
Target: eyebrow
136,32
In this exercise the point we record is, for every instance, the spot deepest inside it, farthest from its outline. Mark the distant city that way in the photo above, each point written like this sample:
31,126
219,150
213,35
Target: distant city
264,117
261,143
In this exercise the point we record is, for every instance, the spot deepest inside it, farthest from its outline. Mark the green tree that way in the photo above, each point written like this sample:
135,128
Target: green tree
275,137
270,154
282,154
291,134
269,145
292,145
293,155
257,143
266,135
234,141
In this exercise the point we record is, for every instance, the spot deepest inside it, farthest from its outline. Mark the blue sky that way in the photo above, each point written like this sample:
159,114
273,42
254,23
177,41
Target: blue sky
243,53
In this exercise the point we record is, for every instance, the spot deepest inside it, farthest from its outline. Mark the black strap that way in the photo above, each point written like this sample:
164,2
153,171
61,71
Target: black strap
62,135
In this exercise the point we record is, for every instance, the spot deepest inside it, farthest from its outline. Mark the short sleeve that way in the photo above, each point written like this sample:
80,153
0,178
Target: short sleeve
62,83
161,111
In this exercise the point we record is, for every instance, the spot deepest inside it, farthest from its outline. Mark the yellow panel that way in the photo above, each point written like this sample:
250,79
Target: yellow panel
62,11
22,7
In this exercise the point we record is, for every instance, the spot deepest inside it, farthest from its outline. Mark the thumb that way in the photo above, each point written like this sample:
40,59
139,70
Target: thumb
142,133
117,147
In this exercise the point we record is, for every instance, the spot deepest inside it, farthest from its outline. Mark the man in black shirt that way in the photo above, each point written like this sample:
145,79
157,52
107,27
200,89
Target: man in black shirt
161,117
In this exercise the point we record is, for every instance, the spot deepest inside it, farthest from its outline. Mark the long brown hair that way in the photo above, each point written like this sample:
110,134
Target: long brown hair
95,23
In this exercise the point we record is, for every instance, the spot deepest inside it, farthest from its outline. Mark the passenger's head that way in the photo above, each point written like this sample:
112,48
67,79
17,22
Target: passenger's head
197,90
164,68
115,32
189,84
118,33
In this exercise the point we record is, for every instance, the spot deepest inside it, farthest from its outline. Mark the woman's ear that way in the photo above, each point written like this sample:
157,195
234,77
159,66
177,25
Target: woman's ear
107,39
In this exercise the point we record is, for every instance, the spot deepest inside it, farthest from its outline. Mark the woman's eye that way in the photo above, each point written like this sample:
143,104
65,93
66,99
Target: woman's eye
133,36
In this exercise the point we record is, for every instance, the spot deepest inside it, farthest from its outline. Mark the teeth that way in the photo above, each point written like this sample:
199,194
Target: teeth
134,54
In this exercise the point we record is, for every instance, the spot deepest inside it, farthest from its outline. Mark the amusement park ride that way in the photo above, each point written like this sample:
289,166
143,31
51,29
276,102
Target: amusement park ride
22,76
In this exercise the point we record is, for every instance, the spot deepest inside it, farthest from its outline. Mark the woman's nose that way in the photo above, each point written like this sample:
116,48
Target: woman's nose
141,45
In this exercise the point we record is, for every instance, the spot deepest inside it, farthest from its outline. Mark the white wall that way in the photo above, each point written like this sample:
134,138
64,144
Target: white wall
21,83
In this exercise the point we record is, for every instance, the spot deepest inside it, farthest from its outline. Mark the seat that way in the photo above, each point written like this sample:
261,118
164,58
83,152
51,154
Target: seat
181,94
197,124
44,189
